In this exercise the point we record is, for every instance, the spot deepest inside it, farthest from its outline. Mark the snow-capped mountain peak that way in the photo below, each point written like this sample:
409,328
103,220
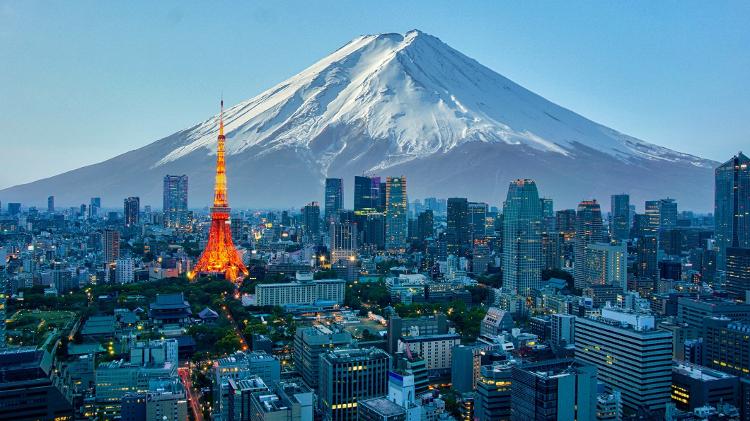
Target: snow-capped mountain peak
418,94
395,104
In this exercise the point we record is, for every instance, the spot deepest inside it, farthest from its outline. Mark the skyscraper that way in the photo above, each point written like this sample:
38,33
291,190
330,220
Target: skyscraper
588,231
220,256
477,219
738,272
311,221
653,216
457,226
334,200
343,237
425,224
131,210
548,214
667,214
620,226
606,264
630,354
646,260
553,390
95,205
395,213
51,204
175,201
522,248
367,193
732,206
349,376
110,245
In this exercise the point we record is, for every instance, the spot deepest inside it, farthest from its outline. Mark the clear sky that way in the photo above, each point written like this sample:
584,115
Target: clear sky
83,81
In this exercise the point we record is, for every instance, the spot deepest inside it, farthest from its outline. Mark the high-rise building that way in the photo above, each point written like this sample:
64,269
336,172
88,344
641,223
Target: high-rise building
396,210
732,206
548,210
124,270
667,214
588,231
367,194
477,218
425,224
110,245
646,257
694,311
14,208
334,198
310,343
565,226
457,233
618,343
606,264
494,392
26,389
220,256
343,236
562,327
288,400
726,345
175,201
553,390
95,205
311,221
694,386
738,272
51,204
619,227
522,248
132,210
653,216
349,376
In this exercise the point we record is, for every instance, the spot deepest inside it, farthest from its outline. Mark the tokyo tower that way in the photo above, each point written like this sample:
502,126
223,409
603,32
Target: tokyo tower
220,256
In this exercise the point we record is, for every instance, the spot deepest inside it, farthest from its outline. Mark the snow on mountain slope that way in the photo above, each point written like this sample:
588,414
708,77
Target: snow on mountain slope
393,102
417,92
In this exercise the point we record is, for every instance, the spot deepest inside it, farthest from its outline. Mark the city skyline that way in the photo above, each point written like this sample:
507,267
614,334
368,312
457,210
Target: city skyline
519,60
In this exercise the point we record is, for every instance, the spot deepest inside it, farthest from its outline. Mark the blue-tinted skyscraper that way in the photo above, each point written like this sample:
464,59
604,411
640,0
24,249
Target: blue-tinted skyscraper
334,198
367,194
588,231
619,228
732,206
522,246
131,211
395,213
457,234
175,201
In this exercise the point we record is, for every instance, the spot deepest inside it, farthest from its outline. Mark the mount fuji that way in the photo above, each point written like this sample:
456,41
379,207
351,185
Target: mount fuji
392,104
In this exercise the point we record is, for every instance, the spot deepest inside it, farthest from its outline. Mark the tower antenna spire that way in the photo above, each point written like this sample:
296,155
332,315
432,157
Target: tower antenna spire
221,116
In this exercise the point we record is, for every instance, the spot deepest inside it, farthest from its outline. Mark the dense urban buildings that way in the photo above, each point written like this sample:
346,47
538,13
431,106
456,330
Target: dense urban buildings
398,309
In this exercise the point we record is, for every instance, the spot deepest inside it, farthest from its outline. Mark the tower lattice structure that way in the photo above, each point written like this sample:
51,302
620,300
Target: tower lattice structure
220,256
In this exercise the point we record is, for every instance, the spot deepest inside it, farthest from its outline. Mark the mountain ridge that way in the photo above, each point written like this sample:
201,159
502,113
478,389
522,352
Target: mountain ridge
389,104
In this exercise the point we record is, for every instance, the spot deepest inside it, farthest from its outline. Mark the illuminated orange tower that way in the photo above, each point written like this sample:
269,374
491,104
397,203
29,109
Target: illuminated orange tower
220,256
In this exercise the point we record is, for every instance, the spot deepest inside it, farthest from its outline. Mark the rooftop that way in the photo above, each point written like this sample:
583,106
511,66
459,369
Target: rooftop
383,406
699,372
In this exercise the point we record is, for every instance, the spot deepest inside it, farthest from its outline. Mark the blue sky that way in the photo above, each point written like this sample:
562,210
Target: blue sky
86,80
